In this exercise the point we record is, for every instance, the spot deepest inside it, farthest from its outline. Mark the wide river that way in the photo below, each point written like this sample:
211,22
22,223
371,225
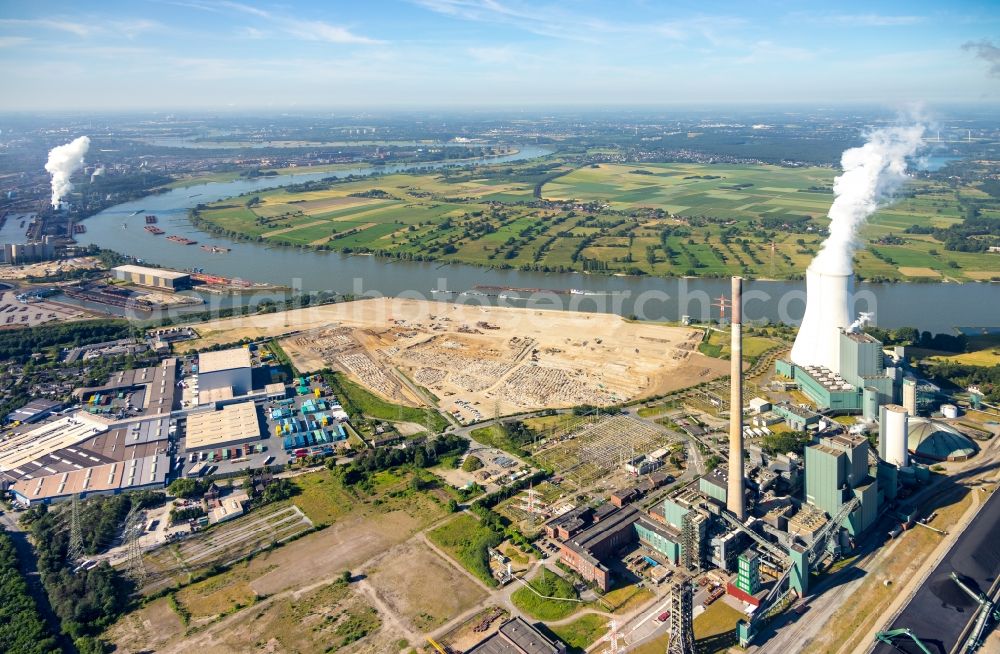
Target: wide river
934,307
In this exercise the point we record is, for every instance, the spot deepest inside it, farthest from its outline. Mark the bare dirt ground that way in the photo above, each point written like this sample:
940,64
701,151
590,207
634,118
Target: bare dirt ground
48,267
409,581
291,599
474,358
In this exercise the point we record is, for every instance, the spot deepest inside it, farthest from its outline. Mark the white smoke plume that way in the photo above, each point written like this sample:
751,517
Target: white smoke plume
64,160
859,324
872,173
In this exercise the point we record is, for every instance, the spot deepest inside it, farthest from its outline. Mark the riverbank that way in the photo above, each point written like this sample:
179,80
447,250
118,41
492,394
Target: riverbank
524,217
650,298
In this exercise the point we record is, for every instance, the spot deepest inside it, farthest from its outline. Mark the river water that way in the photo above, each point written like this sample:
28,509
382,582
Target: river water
934,307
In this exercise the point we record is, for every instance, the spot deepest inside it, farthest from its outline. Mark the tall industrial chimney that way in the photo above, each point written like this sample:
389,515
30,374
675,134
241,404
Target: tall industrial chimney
735,501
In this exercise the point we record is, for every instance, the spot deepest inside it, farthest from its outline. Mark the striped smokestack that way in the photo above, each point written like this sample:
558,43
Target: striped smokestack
735,501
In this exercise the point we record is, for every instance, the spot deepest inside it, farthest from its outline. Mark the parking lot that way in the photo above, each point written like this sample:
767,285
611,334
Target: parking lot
14,313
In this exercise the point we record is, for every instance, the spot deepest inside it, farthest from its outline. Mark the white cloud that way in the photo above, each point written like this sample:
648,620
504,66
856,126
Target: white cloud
80,29
492,55
316,30
308,30
13,41
859,20
128,28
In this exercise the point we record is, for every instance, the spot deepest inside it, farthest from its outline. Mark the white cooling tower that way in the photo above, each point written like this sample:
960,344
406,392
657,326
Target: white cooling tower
892,434
828,310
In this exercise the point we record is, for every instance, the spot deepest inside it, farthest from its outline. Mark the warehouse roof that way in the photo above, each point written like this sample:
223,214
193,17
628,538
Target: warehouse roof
159,382
39,407
212,395
233,423
158,272
24,448
238,357
146,471
517,637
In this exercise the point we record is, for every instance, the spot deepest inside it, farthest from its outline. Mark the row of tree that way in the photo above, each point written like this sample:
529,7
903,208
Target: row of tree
20,344
22,628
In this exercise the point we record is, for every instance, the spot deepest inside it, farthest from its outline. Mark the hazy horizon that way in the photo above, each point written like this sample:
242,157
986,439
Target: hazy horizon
241,56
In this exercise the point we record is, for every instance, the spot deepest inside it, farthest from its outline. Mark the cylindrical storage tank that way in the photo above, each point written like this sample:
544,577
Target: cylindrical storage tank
949,410
894,431
869,403
828,310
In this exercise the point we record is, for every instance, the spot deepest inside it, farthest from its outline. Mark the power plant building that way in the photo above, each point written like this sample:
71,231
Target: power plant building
859,383
225,369
836,471
170,280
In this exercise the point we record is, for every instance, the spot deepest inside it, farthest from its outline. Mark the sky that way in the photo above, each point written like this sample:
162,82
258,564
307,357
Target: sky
220,54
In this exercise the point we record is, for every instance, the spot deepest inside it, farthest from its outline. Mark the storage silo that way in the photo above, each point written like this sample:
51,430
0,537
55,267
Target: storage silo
869,403
910,395
893,424
949,411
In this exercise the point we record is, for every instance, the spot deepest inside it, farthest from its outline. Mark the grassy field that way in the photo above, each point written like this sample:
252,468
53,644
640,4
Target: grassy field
983,351
718,344
375,407
714,631
659,219
496,436
292,593
550,585
582,632
465,539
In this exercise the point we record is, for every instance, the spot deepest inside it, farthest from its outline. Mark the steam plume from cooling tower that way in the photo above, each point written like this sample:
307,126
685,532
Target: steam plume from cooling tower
64,160
872,174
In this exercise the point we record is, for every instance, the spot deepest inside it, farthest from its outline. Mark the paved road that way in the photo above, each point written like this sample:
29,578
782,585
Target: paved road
940,610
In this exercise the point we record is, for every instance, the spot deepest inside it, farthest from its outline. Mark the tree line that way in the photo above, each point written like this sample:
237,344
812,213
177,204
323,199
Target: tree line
22,628
86,601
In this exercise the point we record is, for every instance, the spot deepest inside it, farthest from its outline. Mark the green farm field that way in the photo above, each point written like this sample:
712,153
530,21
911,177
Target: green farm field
646,219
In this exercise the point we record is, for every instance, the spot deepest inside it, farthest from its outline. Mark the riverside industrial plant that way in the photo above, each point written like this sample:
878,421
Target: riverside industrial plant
754,531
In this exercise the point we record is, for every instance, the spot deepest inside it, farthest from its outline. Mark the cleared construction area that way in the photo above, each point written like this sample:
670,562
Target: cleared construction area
476,360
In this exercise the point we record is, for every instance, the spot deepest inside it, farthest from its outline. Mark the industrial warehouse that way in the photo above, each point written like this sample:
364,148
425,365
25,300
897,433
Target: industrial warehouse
152,277
136,431
84,454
